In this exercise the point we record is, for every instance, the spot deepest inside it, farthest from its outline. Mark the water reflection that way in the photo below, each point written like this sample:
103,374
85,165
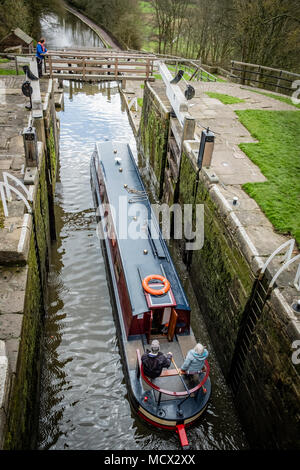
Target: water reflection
83,393
67,31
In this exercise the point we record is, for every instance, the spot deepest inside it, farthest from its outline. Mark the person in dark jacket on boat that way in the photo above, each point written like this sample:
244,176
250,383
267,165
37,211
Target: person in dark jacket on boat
194,360
154,360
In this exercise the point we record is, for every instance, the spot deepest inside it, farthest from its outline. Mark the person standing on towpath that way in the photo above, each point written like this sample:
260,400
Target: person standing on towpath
40,54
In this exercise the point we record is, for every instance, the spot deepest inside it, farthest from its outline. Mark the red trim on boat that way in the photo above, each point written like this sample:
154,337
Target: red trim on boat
180,429
168,392
155,423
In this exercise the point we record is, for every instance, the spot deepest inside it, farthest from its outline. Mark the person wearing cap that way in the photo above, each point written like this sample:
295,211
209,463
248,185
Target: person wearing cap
194,360
154,360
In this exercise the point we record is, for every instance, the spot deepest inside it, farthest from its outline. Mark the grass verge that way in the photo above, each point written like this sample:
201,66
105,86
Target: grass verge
225,99
277,154
10,72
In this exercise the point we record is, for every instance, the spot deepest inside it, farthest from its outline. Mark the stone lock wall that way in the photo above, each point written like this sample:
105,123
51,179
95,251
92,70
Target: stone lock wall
21,328
267,398
152,139
269,394
223,275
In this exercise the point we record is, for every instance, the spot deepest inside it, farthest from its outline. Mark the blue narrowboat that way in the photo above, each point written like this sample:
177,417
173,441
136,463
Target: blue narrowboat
149,297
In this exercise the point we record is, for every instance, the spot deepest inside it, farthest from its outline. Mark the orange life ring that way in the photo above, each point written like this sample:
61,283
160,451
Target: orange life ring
161,291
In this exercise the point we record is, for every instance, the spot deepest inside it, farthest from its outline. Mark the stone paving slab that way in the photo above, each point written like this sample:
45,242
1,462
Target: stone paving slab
5,164
10,326
14,239
12,289
252,100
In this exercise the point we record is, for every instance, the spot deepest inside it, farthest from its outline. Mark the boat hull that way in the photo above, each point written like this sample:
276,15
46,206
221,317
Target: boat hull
165,413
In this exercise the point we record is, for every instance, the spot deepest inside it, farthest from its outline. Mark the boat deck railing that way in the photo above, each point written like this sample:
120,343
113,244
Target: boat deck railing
161,391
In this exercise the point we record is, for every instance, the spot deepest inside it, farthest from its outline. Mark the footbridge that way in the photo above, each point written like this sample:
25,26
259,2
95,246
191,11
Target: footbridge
99,65
96,64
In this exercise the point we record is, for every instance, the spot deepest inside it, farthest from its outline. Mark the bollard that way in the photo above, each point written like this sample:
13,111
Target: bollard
30,146
206,148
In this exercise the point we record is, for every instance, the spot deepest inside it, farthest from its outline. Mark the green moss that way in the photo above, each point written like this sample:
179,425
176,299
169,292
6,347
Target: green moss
21,417
21,423
153,133
10,72
52,155
225,99
219,273
269,369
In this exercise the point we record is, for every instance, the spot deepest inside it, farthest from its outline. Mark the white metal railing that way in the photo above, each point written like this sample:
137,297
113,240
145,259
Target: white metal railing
191,68
6,176
289,244
283,268
287,261
6,189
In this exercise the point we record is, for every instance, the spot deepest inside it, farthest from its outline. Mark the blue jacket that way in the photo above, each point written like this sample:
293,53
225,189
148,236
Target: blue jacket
193,361
39,51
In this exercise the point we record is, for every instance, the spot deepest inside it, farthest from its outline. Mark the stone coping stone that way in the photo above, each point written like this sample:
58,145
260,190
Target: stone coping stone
4,370
285,312
15,239
4,389
31,175
12,289
12,350
5,164
17,163
10,326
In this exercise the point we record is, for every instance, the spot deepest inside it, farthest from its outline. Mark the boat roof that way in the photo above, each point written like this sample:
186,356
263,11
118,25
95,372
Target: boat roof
142,249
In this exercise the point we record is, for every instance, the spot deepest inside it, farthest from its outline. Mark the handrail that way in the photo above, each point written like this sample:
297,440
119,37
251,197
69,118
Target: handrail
287,261
198,69
266,68
288,255
8,187
98,65
169,392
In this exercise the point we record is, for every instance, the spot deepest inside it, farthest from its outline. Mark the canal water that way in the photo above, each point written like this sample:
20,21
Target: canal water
83,400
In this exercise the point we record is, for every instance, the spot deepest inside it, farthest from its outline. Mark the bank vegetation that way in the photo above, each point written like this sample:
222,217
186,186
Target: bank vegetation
265,32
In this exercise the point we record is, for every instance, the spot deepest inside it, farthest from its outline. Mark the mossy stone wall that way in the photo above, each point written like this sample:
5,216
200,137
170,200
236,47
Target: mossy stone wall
268,396
152,140
22,417
21,422
220,275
